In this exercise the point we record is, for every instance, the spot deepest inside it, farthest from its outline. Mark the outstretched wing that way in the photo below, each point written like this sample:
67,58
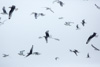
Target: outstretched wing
27,55
56,39
4,10
31,50
52,11
97,6
88,40
55,1
95,47
76,53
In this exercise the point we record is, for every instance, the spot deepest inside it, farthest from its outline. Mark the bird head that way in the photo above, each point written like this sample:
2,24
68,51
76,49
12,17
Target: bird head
47,31
94,33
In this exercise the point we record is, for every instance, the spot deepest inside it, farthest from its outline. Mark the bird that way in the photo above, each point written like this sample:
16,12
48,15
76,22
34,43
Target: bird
35,14
5,55
75,51
95,47
46,36
83,22
21,53
31,51
4,10
12,8
90,37
68,23
97,6
36,53
77,27
60,18
56,58
59,2
88,56
47,8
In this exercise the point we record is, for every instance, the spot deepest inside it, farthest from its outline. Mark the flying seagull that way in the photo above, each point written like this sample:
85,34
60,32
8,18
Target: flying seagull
5,55
75,51
31,51
97,6
21,53
83,22
95,47
56,58
59,2
90,37
4,10
88,56
68,23
60,18
13,7
35,14
46,36
47,8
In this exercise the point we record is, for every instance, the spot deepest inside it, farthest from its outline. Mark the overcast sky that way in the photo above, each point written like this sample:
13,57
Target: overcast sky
22,31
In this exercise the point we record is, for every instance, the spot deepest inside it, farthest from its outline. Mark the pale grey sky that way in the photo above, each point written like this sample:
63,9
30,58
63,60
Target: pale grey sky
22,31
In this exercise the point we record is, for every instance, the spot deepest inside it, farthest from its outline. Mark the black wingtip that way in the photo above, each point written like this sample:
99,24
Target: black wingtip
8,18
86,42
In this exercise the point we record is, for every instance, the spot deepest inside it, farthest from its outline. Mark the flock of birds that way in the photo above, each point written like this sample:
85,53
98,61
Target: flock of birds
47,35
